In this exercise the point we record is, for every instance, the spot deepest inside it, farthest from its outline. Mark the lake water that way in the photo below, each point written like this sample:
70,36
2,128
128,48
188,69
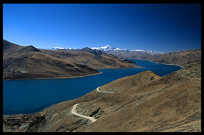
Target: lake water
30,96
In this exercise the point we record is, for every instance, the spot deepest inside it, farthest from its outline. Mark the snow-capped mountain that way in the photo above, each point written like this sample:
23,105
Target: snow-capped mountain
61,48
145,51
118,49
109,48
103,48
139,50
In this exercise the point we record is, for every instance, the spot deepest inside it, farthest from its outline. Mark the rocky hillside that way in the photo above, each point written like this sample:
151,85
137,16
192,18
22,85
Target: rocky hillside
21,62
144,102
181,58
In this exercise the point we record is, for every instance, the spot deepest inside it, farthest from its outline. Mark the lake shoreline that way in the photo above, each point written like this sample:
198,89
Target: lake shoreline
161,63
20,114
71,77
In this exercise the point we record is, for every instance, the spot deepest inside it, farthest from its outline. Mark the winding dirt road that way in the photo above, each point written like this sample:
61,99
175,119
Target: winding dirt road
80,115
103,91
87,117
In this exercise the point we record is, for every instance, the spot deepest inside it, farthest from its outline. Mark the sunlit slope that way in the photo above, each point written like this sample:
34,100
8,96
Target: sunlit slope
143,102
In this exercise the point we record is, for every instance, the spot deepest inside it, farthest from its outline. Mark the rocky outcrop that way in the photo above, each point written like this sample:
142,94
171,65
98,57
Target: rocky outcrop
37,122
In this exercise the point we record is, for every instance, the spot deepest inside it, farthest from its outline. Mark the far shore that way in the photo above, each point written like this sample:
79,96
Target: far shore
65,77
161,63
168,64
70,77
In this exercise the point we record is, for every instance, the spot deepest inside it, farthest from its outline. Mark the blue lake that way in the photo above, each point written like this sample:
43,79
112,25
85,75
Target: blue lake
30,96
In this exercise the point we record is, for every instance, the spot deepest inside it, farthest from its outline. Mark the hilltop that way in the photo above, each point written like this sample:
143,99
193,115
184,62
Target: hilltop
21,62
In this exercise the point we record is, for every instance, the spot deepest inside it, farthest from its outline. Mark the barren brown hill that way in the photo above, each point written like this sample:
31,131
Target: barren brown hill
181,58
144,102
29,62
95,59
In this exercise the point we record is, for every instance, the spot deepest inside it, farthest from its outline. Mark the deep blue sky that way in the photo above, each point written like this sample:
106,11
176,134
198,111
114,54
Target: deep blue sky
159,27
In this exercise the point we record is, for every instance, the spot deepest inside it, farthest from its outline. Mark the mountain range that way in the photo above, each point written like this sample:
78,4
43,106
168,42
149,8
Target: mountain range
180,58
20,62
109,48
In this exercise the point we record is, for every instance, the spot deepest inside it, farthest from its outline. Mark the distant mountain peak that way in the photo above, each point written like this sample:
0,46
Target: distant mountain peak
138,50
61,48
147,51
103,48
93,51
